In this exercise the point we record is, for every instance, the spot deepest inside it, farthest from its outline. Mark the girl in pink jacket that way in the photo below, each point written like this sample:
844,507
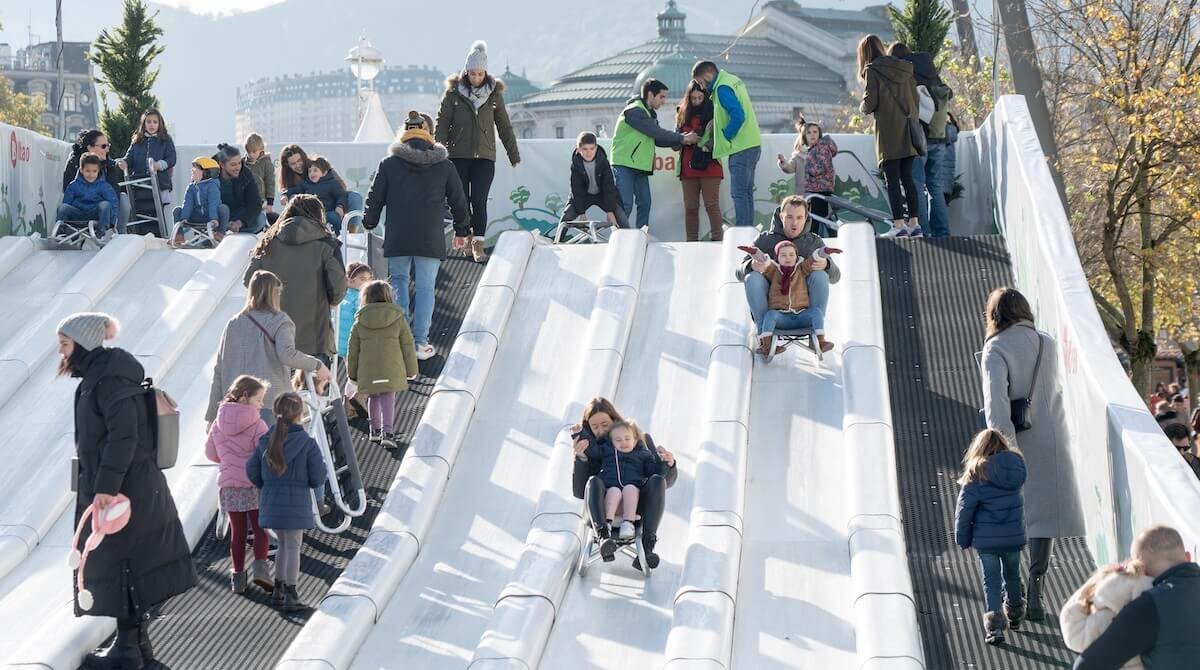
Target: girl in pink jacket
232,437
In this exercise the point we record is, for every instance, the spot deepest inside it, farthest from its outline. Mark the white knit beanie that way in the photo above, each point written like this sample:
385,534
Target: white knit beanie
89,329
477,58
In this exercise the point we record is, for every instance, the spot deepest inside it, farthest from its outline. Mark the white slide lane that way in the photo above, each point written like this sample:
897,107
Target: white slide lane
435,617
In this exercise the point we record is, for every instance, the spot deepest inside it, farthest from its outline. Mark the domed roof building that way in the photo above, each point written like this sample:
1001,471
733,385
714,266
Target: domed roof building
783,82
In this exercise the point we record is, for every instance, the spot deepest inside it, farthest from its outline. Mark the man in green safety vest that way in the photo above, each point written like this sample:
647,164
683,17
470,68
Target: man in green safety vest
636,134
736,135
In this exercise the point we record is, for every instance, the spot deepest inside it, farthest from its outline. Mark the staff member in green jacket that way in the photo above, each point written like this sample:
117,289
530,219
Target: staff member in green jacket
636,134
471,115
737,135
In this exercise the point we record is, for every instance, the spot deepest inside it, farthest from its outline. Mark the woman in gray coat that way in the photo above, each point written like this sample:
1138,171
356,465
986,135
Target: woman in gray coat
261,341
1010,354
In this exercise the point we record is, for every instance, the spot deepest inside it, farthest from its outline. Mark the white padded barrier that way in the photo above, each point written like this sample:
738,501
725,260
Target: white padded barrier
887,636
351,607
525,611
702,625
13,250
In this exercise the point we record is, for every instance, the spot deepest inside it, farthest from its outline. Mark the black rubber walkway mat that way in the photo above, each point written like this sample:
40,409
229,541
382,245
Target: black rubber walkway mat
933,292
211,628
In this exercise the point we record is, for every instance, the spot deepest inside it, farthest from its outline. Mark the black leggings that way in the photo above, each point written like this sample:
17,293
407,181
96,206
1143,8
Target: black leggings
896,174
652,502
476,175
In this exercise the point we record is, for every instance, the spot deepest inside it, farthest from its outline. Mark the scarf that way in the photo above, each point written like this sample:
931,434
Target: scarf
477,96
785,278
416,134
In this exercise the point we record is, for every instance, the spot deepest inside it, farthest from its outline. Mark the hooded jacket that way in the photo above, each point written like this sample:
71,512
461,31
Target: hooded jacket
285,502
87,195
382,353
263,171
414,184
890,95
241,195
108,169
329,191
262,344
806,243
231,440
468,132
162,151
593,460
201,201
619,469
307,258
609,198
1082,623
990,514
150,560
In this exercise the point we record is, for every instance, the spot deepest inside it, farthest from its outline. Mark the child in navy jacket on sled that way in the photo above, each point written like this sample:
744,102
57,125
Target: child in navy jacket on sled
626,466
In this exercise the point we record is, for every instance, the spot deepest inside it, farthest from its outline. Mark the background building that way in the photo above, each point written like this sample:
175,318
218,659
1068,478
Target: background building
323,107
34,71
795,61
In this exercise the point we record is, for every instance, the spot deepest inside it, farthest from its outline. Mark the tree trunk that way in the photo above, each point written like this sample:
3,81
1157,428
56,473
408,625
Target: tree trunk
1027,81
965,28
1146,348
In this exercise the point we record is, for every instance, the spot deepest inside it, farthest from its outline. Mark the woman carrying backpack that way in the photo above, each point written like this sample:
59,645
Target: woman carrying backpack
149,560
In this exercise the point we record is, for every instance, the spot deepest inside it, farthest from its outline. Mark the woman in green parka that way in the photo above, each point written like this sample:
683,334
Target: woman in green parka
471,115
382,358
890,96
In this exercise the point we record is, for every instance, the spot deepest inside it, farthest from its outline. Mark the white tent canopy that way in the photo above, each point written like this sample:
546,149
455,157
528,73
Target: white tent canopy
374,127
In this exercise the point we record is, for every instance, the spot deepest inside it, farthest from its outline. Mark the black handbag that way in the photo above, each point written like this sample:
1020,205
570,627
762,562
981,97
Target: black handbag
700,159
1019,407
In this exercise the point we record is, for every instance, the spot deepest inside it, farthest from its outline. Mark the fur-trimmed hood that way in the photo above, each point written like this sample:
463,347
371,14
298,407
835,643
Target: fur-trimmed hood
419,153
497,84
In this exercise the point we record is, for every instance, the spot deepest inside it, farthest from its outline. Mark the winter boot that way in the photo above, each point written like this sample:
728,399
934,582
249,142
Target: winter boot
1015,613
993,623
291,599
277,594
237,581
260,574
122,654
826,346
477,251
1039,564
1035,611
144,641
608,546
648,543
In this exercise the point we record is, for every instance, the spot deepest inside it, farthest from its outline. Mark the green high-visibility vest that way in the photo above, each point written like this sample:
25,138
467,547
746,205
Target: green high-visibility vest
631,147
748,135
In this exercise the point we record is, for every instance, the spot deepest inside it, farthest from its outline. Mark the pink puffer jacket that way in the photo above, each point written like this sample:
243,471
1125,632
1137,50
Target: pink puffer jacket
231,440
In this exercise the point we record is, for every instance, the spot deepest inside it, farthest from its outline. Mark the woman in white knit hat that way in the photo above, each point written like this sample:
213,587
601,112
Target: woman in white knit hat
471,115
149,560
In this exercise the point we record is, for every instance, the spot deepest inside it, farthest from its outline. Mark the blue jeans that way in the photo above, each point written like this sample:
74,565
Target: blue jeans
805,318
741,184
222,217
400,270
1001,566
102,214
756,296
634,185
919,180
935,183
355,203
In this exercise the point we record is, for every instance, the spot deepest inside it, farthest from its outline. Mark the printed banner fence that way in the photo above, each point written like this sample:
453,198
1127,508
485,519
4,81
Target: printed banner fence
30,180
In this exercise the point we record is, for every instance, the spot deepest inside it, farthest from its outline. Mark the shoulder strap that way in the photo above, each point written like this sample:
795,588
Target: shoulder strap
260,327
1037,364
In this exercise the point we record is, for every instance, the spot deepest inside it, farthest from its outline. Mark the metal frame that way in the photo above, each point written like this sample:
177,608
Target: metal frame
797,337
593,231
589,552
202,233
80,233
150,183
836,202
317,405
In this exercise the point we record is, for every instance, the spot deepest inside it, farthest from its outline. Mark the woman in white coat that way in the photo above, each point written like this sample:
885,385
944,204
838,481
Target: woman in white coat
1011,370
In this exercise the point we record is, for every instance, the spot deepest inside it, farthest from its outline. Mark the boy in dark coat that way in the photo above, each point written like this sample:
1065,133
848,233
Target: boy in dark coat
149,560
592,183
89,197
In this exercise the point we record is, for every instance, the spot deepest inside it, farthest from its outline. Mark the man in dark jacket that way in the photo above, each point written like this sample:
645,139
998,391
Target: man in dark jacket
1159,625
414,183
636,134
790,222
149,560
592,183
239,192
931,172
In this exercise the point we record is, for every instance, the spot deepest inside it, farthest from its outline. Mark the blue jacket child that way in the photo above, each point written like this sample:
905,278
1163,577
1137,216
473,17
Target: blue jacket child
86,196
285,502
161,150
990,515
619,469
202,201
346,313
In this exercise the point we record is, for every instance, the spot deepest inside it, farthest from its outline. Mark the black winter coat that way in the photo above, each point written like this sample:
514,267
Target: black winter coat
414,184
109,168
149,560
247,202
586,469
604,179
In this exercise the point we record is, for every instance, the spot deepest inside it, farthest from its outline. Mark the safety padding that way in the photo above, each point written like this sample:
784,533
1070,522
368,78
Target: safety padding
893,637
858,264
712,563
701,632
526,608
468,364
727,388
731,257
194,489
13,250
872,459
16,543
873,568
516,635
507,263
733,327
892,663
61,642
720,489
489,311
359,594
861,300
865,387
36,340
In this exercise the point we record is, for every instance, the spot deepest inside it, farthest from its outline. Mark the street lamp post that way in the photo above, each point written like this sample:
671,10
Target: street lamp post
366,62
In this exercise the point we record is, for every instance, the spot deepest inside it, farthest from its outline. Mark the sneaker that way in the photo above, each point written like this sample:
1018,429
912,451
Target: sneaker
387,440
237,582
895,232
627,530
916,231
375,435
425,352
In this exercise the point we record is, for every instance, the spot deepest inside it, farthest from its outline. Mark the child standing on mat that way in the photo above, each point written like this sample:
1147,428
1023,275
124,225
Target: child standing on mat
231,440
626,466
382,358
287,466
990,517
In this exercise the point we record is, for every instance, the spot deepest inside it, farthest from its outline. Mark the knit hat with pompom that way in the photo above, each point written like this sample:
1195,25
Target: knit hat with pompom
89,329
477,57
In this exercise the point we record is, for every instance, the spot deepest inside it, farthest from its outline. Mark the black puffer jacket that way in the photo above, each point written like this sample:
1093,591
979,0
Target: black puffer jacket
414,183
149,560
609,196
247,202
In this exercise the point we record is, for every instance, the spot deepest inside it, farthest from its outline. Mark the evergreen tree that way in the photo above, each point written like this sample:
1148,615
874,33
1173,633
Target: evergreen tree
125,58
922,24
